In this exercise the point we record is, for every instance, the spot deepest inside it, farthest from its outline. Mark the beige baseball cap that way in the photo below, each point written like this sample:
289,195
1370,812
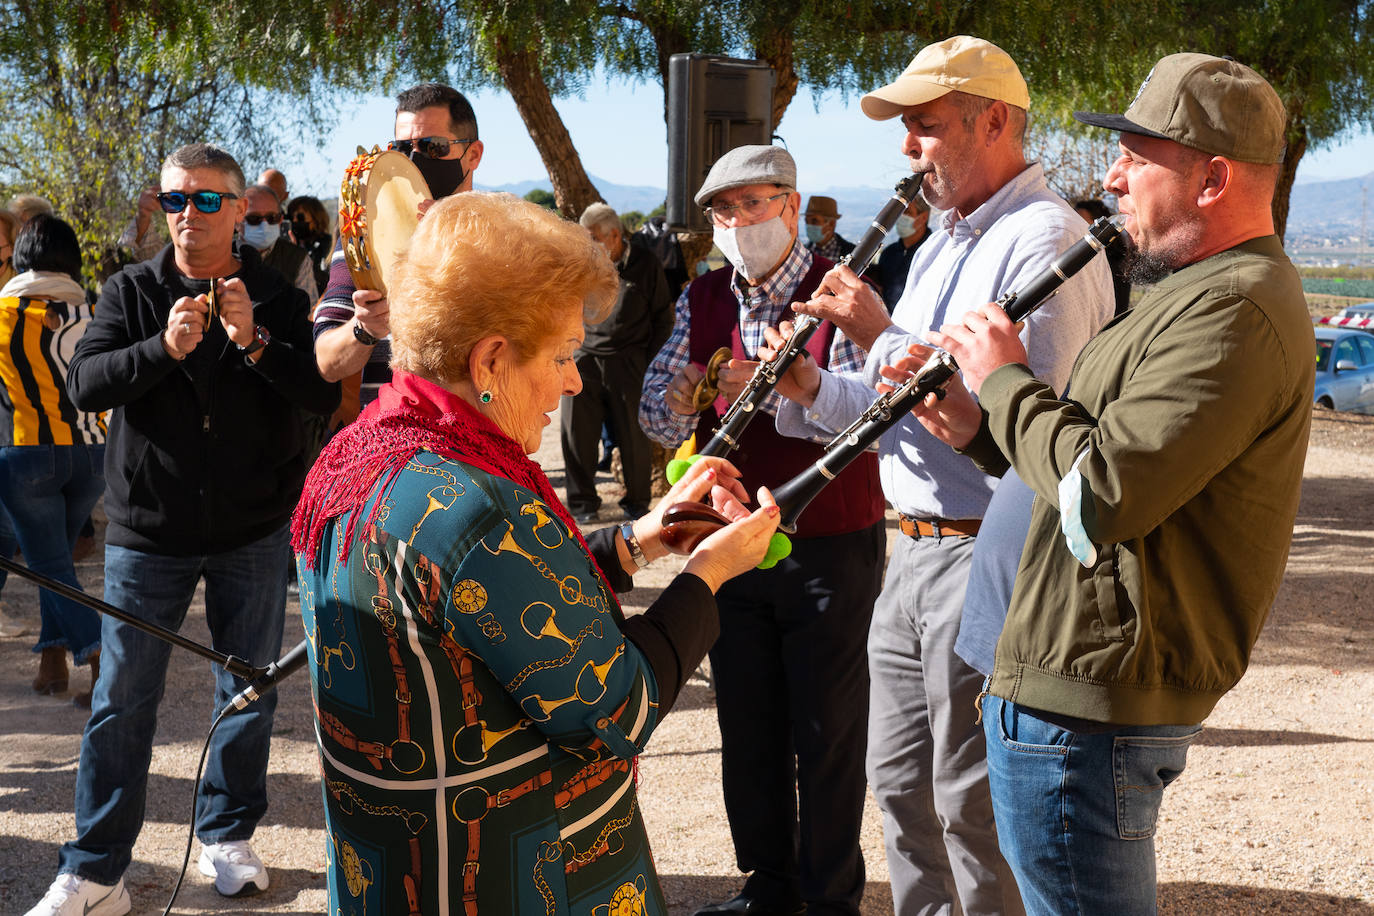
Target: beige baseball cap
1212,104
961,63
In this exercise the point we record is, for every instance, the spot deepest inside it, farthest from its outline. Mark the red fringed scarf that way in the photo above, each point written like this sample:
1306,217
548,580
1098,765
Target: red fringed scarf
410,414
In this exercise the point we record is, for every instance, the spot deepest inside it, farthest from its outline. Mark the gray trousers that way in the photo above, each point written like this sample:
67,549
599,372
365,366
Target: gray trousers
927,763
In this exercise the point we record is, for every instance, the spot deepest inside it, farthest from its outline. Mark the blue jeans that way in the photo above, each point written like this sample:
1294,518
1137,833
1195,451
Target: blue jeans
49,491
245,601
1076,811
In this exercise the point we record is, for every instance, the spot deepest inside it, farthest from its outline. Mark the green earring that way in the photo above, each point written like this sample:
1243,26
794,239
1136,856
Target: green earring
485,396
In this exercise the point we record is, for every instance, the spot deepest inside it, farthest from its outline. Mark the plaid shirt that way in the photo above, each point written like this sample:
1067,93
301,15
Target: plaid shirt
835,248
760,307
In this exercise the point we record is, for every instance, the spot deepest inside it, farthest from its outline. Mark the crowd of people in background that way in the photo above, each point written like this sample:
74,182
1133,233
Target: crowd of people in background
195,388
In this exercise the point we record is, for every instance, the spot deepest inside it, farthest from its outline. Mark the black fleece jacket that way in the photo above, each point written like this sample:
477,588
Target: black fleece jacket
207,454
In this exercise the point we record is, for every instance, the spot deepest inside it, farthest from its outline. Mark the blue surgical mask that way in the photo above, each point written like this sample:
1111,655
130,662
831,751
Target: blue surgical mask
906,225
815,233
261,236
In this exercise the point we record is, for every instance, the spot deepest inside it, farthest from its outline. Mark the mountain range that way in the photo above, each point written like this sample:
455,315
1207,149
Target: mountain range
1320,212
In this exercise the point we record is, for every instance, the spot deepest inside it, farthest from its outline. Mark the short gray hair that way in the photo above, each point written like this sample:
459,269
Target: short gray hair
600,217
205,156
262,189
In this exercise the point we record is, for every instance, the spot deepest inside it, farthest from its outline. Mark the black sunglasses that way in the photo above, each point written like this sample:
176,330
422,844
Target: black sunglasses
271,219
205,201
433,147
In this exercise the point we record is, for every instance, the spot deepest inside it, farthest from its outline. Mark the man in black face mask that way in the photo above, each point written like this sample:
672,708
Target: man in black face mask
436,127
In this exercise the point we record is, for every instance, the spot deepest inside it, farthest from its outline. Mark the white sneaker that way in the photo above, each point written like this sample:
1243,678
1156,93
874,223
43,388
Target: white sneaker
235,867
73,896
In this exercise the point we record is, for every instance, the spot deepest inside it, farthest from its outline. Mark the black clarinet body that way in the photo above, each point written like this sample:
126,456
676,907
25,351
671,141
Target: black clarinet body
765,378
794,496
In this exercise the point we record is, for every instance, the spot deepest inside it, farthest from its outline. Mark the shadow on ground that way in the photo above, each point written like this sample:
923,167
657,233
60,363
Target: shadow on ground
149,886
685,893
1188,898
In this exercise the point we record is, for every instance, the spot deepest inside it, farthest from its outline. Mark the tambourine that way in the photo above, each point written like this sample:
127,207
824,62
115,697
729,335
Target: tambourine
379,209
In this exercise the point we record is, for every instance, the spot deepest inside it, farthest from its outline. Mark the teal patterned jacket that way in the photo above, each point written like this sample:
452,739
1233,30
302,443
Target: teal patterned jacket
478,708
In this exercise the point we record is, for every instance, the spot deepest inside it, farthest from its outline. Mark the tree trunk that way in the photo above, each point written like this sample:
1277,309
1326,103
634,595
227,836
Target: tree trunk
519,69
776,48
1288,171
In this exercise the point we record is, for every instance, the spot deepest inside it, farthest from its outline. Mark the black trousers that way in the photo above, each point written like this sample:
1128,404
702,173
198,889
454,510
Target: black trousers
610,393
791,671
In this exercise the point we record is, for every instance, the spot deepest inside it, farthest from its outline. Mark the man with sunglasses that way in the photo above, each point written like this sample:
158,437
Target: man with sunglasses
437,129
203,357
790,669
262,228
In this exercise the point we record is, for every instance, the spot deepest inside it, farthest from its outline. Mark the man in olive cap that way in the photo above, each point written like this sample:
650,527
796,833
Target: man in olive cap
963,104
1167,490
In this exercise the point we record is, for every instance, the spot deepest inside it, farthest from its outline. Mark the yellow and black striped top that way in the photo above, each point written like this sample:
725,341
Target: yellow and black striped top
37,339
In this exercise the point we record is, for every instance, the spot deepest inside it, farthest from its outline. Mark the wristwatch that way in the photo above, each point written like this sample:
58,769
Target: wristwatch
361,335
260,339
627,534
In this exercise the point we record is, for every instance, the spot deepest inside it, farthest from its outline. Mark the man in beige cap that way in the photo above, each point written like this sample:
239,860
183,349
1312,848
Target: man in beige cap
1167,490
963,104
791,674
821,215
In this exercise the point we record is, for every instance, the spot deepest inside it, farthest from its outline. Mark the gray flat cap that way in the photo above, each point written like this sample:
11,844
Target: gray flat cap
745,165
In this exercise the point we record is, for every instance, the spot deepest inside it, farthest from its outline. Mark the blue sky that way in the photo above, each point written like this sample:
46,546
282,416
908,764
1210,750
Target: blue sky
619,131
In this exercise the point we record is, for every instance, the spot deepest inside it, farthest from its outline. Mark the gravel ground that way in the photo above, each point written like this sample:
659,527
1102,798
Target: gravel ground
1275,813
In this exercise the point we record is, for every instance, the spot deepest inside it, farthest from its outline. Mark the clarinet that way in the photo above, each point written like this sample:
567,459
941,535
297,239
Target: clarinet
765,378
887,411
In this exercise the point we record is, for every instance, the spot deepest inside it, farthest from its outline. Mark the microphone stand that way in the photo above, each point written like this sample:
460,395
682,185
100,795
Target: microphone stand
233,664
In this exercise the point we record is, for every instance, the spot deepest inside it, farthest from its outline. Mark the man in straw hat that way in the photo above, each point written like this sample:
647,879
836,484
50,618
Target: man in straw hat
963,104
1167,490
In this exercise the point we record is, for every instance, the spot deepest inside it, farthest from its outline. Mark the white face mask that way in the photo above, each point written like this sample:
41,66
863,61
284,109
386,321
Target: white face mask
754,250
262,235
906,225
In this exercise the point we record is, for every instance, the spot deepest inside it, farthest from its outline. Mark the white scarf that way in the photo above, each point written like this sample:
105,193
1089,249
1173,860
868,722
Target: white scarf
44,284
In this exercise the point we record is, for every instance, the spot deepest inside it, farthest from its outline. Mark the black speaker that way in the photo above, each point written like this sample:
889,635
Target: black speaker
714,105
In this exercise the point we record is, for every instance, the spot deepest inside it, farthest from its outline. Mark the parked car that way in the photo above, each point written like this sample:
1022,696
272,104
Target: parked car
1360,310
1345,370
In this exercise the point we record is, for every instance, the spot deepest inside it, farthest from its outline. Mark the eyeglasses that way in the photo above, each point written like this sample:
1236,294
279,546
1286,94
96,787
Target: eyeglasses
271,219
753,208
205,201
433,147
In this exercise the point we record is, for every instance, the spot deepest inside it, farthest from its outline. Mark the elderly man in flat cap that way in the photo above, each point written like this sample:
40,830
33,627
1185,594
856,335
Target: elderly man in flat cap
790,666
963,104
1167,490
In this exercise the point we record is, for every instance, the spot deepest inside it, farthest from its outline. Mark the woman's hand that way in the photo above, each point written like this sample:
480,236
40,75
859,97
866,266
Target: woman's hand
738,547
715,477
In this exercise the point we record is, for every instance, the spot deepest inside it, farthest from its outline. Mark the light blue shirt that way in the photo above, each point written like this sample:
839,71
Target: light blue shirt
999,248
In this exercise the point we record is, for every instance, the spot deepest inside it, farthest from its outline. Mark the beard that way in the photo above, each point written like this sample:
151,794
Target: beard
1144,268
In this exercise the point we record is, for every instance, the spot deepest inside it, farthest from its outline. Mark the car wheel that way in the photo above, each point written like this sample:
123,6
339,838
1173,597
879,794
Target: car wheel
1325,403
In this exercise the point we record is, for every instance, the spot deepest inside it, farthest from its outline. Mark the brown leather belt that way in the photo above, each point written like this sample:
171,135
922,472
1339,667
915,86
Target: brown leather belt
938,527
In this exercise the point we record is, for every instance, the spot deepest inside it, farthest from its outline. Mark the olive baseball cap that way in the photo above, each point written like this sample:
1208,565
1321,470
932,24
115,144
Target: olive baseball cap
963,64
746,165
1211,104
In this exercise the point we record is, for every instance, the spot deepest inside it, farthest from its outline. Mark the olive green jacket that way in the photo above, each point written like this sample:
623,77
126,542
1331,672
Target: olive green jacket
1191,412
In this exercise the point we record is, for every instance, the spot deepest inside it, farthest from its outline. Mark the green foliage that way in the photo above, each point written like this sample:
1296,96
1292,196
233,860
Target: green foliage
543,197
1338,286
632,220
